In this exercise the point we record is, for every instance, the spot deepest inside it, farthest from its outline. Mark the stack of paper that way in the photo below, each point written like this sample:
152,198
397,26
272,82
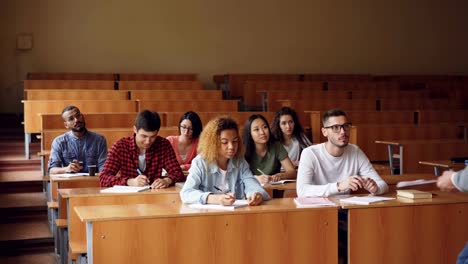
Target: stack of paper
71,175
125,189
403,184
237,204
365,200
414,194
281,182
302,202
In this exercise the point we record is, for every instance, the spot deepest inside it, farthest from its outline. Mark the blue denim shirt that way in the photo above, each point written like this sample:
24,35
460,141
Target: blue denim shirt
91,149
202,179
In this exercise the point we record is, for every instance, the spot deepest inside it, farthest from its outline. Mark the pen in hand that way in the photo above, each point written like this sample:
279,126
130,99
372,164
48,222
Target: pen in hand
259,170
141,173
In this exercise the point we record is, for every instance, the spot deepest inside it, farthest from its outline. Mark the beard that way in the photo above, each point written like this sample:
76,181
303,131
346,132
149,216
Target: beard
79,129
339,145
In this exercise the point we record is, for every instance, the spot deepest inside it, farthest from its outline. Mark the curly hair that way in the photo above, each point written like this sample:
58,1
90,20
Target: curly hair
298,131
210,143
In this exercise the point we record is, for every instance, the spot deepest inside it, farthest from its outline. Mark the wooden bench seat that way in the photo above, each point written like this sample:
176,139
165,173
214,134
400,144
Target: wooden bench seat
186,105
160,85
175,95
69,84
75,94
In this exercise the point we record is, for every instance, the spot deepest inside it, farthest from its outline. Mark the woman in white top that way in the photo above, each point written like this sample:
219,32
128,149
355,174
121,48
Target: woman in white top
287,129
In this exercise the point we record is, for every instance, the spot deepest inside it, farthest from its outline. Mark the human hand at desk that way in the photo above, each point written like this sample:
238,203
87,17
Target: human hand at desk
222,198
161,183
444,182
74,166
353,182
370,185
255,199
140,180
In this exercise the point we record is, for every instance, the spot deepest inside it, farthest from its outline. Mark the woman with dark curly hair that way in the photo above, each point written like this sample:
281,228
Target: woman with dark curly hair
287,129
220,174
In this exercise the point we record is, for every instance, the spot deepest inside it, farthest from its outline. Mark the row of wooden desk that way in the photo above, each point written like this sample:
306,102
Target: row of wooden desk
154,226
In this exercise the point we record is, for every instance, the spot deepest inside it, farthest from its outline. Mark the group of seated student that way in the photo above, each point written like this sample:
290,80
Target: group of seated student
219,158
219,170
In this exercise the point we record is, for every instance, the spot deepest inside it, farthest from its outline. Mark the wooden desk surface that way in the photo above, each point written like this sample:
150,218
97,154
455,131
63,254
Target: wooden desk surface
137,211
448,164
438,198
275,232
409,231
96,191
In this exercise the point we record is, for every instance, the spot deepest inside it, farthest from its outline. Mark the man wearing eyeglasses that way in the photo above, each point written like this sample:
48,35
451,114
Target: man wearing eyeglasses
336,167
77,148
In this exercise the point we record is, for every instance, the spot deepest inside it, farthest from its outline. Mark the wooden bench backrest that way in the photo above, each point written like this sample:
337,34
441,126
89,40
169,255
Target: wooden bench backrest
184,106
111,134
172,118
252,96
417,150
366,135
320,104
176,94
75,94
158,77
435,116
358,118
416,104
32,109
274,96
337,77
388,93
70,76
68,84
93,120
160,85
237,81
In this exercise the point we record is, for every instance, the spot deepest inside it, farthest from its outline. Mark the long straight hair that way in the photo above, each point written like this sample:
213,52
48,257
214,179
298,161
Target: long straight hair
248,140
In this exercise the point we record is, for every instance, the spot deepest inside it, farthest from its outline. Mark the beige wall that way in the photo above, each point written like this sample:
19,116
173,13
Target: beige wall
249,36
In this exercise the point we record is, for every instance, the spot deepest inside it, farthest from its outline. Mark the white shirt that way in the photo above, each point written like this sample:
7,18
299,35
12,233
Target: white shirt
319,171
294,150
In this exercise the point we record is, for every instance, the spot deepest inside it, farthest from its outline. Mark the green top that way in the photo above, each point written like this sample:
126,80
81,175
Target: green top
270,163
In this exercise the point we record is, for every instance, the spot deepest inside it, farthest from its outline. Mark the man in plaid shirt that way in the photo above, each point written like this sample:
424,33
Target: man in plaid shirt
138,160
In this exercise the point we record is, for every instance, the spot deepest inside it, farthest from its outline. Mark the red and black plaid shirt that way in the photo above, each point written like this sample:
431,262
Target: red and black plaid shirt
123,160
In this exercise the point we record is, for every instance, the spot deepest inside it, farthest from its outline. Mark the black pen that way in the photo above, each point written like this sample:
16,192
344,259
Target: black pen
218,189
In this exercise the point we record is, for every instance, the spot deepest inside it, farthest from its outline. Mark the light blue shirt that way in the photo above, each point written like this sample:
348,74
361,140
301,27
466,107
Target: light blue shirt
202,180
91,148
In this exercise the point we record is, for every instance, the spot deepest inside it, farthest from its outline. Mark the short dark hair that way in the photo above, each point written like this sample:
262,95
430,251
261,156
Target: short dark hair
69,108
332,113
247,136
148,121
196,123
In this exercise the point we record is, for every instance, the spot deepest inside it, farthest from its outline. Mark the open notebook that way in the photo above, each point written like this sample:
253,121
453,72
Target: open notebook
237,204
312,202
125,189
277,182
365,200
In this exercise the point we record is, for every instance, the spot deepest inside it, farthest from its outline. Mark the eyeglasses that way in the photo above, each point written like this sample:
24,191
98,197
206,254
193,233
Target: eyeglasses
186,128
73,117
337,128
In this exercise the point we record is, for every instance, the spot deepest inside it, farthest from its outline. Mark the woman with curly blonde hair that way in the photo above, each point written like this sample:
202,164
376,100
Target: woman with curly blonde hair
220,174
